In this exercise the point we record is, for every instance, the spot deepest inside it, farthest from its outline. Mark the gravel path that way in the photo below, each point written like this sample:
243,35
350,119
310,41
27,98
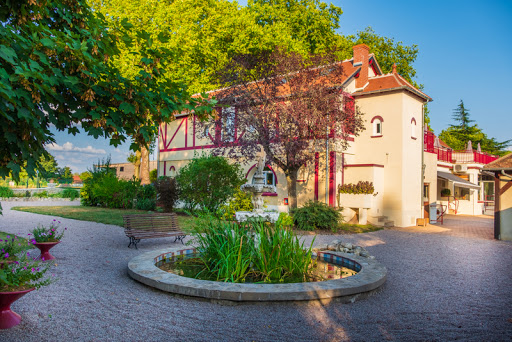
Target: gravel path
439,288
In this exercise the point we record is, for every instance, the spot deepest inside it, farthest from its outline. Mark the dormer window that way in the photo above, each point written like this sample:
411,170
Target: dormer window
377,126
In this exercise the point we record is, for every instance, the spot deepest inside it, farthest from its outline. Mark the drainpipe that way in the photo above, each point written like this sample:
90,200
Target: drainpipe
422,211
327,163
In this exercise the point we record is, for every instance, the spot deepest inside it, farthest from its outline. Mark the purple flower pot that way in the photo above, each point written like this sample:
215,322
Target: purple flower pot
9,318
44,247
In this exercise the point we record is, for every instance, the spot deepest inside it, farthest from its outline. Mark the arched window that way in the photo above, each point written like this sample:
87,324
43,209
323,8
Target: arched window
377,126
270,178
413,129
172,171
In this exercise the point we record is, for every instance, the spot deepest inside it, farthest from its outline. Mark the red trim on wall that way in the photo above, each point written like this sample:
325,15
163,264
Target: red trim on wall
165,168
332,177
413,120
317,158
273,194
186,130
413,138
247,174
177,129
376,136
194,131
342,168
448,167
377,117
364,165
271,169
187,148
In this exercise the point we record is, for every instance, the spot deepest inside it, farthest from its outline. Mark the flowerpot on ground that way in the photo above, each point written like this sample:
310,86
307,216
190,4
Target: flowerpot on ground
45,247
9,318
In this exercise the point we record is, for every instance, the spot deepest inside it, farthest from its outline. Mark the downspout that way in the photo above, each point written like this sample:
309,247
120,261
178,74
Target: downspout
327,163
422,210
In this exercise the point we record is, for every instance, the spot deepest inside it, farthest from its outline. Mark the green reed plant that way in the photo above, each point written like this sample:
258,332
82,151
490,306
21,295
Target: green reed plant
253,250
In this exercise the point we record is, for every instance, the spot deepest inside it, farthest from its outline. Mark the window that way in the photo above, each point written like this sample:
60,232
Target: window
228,124
270,179
377,126
121,169
413,129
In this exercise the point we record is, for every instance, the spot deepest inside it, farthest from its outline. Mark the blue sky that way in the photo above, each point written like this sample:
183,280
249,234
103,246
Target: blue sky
464,47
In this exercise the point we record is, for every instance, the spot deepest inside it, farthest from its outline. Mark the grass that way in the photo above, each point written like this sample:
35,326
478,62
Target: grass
358,228
100,215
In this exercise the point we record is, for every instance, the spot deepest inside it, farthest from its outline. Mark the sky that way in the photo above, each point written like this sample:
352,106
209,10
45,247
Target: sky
463,47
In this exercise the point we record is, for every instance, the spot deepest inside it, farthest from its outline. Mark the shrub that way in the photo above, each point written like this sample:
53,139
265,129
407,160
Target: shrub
42,194
167,192
208,182
316,215
146,204
359,188
6,192
146,197
241,201
70,193
446,192
153,175
285,219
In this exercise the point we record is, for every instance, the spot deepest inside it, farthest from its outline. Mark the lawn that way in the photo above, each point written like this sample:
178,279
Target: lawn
100,215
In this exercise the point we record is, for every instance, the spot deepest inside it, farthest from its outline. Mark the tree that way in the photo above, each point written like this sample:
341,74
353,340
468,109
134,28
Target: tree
56,69
48,166
207,182
285,104
458,135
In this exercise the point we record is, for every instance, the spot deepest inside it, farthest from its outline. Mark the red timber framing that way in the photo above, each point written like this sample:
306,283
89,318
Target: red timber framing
497,192
332,178
317,160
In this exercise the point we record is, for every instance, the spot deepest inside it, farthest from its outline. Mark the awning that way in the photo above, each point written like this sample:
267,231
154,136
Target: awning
461,183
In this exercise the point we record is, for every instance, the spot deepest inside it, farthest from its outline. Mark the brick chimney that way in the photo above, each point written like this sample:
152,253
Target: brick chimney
361,53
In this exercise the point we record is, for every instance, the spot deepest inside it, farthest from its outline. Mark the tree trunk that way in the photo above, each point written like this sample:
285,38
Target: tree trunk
136,164
144,166
291,180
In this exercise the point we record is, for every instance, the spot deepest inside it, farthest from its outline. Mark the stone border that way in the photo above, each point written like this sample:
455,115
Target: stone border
371,276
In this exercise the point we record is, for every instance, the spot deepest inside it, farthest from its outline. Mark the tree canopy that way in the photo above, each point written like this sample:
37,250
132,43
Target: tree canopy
458,134
57,70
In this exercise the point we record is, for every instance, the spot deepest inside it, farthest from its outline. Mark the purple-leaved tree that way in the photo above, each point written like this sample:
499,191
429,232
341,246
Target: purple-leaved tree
284,105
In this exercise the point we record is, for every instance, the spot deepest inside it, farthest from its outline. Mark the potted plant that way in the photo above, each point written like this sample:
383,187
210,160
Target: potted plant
446,193
356,195
10,246
18,277
46,238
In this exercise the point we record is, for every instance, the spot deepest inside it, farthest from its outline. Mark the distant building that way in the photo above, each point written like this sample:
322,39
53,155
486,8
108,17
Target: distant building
127,170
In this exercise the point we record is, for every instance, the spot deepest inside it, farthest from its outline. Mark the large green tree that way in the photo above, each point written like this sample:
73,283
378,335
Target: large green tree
459,134
57,70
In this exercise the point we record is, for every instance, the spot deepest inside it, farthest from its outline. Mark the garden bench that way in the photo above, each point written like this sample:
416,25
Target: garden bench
146,226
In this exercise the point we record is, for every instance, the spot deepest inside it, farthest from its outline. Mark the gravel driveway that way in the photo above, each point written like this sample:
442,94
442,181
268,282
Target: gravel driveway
439,288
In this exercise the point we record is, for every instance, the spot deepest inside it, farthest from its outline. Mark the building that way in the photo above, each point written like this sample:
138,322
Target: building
389,153
501,170
127,170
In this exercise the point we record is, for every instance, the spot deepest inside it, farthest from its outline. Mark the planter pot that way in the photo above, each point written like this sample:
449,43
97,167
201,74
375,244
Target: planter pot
9,318
356,200
45,247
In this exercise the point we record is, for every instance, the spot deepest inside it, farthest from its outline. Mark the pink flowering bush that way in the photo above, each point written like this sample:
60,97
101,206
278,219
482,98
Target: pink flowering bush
50,234
23,274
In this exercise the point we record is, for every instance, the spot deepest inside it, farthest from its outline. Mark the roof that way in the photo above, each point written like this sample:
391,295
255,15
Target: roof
462,183
503,163
390,82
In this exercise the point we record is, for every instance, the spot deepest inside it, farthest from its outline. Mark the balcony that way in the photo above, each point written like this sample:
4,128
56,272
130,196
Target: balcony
448,155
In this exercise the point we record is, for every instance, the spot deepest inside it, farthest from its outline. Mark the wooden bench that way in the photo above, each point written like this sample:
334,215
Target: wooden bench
146,226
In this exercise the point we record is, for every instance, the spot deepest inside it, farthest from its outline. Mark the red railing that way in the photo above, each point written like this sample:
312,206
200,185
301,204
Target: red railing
450,156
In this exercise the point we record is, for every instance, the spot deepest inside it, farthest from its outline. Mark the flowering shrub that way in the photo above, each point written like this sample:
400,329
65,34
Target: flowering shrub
23,274
12,245
359,188
50,234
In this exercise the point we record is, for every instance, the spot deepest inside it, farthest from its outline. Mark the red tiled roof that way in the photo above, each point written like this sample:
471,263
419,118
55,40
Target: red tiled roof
390,82
503,163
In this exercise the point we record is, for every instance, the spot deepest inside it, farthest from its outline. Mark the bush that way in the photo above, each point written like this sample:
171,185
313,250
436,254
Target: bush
6,192
167,192
42,194
208,182
285,220
316,215
359,188
241,201
146,198
70,193
153,175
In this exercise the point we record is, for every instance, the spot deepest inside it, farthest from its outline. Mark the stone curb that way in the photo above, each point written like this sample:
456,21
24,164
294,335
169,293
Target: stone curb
372,275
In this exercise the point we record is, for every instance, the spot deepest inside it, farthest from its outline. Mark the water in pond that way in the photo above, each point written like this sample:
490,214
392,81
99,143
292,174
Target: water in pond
192,267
